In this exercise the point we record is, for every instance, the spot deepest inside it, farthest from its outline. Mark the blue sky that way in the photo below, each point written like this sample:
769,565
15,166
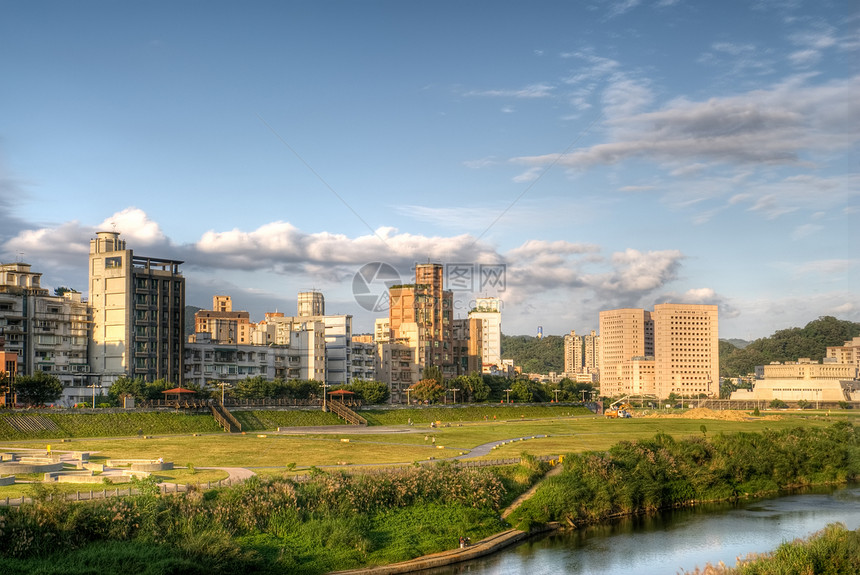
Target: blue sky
608,154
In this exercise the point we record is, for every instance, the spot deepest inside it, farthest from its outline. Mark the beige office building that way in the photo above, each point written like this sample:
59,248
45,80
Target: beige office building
686,350
138,313
674,349
848,353
624,334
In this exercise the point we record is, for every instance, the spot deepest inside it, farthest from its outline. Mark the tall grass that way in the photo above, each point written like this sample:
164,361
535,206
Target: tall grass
331,521
646,475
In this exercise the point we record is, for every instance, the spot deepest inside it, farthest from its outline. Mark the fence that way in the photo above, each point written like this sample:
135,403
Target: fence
104,493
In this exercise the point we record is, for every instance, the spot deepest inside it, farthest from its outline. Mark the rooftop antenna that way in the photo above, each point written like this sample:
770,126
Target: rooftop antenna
20,257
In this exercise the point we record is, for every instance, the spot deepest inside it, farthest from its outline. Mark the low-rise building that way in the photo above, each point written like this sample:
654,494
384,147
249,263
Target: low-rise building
804,380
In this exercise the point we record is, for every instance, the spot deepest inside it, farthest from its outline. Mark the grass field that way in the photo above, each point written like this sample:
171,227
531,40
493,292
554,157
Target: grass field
398,444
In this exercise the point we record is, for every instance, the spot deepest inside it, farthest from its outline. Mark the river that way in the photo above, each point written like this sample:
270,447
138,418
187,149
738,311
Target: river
674,541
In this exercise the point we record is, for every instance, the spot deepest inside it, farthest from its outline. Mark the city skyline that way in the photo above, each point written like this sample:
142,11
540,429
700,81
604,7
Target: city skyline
605,155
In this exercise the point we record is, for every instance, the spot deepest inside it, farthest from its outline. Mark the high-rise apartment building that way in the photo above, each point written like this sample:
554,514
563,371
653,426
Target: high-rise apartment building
467,341
425,309
674,349
572,353
591,355
310,303
489,311
138,313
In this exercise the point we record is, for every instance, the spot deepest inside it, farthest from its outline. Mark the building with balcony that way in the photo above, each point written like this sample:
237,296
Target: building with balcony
425,307
46,332
137,307
222,323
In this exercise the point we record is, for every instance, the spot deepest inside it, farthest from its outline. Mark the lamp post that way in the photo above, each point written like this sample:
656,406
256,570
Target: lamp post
94,386
508,395
324,387
223,384
455,390
408,391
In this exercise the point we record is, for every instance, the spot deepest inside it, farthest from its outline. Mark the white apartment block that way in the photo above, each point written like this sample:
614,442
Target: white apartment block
488,310
209,362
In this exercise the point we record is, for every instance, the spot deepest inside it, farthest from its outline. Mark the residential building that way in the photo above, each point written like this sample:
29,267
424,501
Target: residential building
300,355
591,355
427,306
397,367
572,353
489,311
8,373
310,303
137,307
337,356
222,323
381,330
45,332
467,345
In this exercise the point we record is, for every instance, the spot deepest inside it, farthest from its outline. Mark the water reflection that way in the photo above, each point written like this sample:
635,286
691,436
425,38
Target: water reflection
674,541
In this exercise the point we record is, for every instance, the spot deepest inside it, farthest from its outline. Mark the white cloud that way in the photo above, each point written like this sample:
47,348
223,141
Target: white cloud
532,91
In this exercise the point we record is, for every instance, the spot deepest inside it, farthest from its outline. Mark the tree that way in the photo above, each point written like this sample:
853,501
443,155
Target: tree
434,373
473,387
520,391
138,388
428,390
372,392
38,389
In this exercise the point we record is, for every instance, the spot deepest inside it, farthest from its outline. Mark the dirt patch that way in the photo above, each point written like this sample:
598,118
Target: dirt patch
725,415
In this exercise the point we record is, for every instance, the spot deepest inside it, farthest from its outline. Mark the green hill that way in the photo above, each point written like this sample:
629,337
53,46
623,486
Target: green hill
533,354
790,344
